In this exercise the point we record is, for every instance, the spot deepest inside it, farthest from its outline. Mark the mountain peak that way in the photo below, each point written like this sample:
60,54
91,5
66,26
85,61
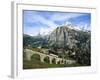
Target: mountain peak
69,25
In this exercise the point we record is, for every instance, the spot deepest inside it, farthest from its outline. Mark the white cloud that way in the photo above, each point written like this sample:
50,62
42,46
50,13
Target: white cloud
36,31
31,31
36,18
83,26
64,16
46,30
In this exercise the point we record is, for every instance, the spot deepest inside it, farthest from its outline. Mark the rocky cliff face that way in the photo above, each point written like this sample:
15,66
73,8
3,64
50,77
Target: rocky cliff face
64,36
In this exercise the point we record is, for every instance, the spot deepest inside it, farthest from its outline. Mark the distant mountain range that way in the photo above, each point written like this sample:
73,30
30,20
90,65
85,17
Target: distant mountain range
62,36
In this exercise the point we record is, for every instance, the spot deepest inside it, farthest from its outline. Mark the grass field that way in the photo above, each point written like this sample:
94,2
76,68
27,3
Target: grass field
37,64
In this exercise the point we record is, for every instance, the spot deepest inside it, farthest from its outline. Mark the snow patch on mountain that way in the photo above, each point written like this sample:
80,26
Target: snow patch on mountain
81,26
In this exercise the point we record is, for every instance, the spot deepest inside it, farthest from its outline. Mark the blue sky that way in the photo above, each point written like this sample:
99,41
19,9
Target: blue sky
44,22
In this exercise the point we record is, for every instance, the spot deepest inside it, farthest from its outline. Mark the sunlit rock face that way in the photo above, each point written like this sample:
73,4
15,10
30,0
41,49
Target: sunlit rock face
63,36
